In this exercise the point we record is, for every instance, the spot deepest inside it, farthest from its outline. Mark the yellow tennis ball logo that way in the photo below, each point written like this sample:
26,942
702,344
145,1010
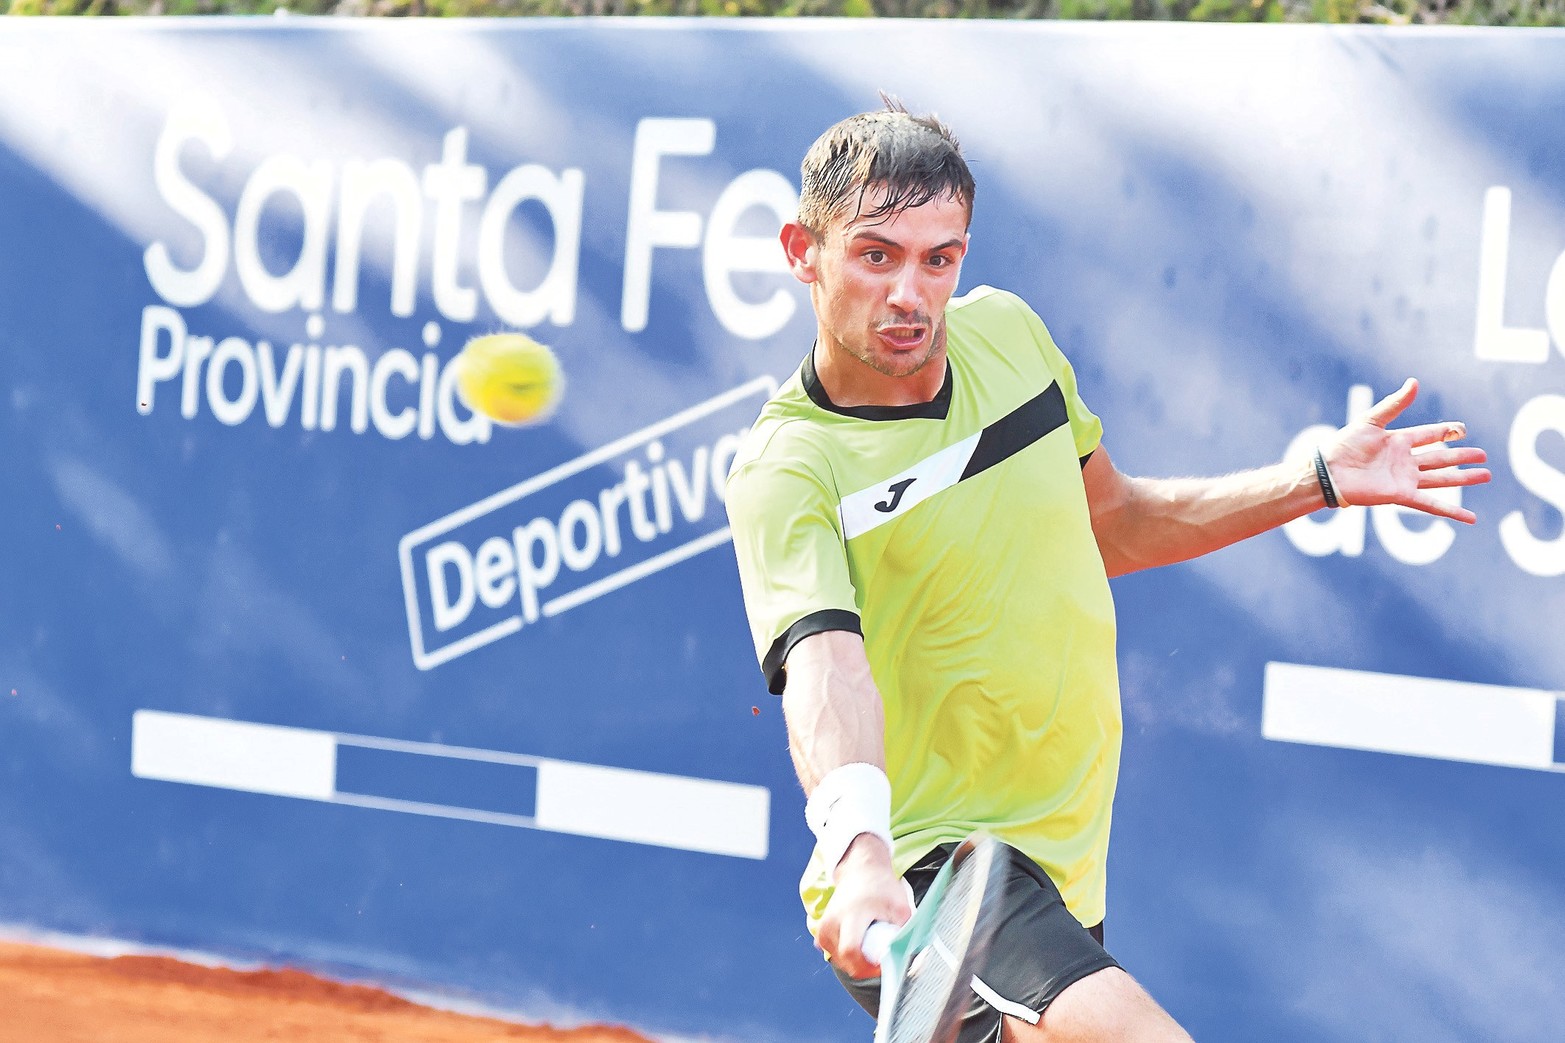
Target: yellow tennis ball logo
509,378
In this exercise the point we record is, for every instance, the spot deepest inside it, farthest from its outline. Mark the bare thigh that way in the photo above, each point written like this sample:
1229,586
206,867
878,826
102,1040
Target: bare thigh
1105,1006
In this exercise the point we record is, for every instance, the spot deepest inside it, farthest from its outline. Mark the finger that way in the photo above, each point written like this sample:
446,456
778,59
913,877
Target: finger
855,966
1390,407
1451,477
826,939
1428,434
1431,505
1430,459
853,962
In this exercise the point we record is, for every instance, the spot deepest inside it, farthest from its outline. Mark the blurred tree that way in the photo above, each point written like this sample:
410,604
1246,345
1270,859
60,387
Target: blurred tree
1383,12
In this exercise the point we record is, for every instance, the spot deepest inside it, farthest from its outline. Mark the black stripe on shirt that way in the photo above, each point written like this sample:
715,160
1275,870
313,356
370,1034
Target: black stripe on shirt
1017,430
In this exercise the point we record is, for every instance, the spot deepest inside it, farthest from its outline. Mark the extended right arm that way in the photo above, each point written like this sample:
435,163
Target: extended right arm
800,601
835,718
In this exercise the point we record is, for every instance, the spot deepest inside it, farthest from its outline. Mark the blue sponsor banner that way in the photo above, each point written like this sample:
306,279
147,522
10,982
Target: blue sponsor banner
303,661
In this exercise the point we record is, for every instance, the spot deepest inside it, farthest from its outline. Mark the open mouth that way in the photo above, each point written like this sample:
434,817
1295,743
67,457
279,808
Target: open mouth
903,337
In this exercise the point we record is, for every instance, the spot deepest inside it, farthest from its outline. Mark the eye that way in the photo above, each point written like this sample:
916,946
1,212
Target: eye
940,261
875,256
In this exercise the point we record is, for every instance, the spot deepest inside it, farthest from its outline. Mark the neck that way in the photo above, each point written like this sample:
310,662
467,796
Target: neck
849,381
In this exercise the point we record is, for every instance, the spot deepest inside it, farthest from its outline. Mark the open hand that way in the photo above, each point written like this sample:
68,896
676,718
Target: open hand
1372,465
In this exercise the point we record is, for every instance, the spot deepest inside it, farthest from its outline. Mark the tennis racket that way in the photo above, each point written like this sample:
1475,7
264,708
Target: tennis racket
927,965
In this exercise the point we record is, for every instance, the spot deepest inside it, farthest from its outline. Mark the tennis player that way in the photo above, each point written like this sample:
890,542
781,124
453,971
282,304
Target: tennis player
926,521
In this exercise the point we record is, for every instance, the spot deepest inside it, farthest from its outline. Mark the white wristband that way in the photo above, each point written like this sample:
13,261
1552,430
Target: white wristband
850,800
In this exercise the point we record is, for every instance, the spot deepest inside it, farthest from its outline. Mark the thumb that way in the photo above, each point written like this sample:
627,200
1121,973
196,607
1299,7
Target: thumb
1391,407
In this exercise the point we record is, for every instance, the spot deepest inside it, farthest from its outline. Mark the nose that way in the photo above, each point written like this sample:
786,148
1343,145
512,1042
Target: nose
903,295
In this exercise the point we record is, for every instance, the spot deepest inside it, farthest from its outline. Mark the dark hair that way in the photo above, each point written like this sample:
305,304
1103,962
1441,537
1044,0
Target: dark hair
915,158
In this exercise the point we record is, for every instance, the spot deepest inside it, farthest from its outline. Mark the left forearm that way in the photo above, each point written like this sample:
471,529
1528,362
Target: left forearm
1159,521
1141,523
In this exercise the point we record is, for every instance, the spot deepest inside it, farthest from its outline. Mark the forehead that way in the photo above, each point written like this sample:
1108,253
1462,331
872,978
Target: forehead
939,220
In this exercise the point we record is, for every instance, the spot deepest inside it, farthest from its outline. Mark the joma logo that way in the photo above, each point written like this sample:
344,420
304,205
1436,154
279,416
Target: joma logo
889,505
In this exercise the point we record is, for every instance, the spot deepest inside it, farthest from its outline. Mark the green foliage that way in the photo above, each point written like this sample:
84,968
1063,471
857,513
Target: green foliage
1385,12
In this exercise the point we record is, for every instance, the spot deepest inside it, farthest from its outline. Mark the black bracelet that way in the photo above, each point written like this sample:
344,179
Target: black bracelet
1324,477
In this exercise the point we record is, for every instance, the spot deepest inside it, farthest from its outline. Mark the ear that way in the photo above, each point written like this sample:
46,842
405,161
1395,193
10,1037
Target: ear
799,246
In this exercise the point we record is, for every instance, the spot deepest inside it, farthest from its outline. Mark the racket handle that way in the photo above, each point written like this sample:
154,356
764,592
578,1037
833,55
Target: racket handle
877,940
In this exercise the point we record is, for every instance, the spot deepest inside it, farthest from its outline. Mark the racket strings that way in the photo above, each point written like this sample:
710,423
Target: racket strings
931,975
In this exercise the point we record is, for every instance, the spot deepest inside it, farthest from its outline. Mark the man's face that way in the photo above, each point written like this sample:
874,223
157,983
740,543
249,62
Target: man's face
880,285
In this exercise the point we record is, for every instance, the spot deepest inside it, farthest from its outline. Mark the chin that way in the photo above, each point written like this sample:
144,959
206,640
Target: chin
905,364
904,367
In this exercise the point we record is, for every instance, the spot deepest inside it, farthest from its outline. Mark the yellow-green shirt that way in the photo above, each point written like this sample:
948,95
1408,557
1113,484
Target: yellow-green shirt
954,535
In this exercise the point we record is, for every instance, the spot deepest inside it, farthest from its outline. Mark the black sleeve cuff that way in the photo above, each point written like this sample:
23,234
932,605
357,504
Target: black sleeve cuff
774,665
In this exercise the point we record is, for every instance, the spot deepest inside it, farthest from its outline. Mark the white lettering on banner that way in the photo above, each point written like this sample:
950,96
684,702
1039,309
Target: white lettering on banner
554,297
1541,557
1494,341
336,206
724,252
203,122
362,183
727,252
449,185
393,392
334,214
650,227
304,284
542,547
1545,414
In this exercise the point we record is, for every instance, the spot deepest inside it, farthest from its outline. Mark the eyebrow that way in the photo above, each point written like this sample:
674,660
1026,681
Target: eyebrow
877,238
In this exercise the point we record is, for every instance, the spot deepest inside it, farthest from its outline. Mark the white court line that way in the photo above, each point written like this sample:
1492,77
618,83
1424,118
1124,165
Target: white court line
594,800
1411,716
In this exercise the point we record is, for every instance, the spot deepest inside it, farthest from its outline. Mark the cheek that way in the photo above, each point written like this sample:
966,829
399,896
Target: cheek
849,296
943,286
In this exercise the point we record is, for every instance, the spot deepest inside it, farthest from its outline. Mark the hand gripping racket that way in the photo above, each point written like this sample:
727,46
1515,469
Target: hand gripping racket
927,965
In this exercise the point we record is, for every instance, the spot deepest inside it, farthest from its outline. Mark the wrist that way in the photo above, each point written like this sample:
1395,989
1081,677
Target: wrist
866,853
1328,487
849,811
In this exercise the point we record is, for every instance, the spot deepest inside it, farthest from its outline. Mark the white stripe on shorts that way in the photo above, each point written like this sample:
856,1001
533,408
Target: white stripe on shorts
1003,1005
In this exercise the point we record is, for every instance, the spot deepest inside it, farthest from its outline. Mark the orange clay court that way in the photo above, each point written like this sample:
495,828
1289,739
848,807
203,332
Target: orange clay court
53,996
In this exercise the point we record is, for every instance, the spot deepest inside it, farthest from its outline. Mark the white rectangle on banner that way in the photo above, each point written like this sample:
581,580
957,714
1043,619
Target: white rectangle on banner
723,818
238,755
640,807
1414,716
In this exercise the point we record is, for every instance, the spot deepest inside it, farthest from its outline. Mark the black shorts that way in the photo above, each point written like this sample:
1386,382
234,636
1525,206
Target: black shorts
1038,949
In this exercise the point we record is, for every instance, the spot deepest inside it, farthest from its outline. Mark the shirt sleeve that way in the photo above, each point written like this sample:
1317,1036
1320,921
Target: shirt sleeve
793,567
